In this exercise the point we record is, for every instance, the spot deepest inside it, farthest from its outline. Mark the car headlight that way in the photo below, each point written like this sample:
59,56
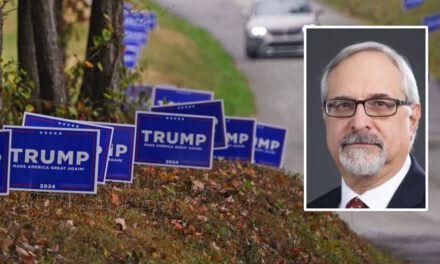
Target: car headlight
258,31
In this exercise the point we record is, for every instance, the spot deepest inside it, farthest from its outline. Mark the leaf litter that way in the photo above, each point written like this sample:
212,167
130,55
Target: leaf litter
235,213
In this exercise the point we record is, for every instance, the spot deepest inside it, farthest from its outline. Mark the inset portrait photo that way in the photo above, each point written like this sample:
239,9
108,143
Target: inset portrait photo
365,118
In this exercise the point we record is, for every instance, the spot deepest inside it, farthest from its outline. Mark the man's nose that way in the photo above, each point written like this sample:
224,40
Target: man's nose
360,120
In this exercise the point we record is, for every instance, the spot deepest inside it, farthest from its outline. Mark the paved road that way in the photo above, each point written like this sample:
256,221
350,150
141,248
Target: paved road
276,83
278,88
414,236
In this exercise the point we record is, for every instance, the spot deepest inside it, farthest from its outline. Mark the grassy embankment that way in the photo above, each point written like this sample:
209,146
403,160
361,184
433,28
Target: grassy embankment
390,12
235,213
178,54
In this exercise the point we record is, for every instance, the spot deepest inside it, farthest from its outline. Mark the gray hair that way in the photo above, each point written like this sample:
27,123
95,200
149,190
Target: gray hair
409,85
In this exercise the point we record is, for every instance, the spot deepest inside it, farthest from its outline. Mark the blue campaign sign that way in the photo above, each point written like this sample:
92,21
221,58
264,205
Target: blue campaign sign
170,95
410,4
136,20
432,21
130,60
174,140
240,134
5,143
140,95
54,159
127,6
105,136
133,48
149,18
121,158
269,145
134,26
207,108
135,37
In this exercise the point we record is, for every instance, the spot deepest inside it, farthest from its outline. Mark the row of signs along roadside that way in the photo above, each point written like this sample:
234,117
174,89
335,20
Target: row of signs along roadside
58,155
234,137
432,20
137,27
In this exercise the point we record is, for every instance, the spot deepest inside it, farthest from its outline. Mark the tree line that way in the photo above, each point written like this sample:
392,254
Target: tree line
41,50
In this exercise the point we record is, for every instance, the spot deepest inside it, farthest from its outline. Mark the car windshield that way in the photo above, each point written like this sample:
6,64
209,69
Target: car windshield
281,7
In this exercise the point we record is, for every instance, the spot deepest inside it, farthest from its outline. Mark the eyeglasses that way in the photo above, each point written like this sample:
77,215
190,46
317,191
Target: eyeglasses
378,107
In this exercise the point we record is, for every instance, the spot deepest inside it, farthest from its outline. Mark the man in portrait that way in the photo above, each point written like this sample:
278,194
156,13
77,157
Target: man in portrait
371,110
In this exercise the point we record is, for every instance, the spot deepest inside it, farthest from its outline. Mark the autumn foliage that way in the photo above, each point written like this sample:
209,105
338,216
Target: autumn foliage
235,213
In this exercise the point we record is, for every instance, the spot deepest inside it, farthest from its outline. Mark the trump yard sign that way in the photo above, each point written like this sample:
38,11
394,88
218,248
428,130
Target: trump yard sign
54,159
174,140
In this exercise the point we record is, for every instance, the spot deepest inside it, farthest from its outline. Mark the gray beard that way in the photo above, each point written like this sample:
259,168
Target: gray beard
359,161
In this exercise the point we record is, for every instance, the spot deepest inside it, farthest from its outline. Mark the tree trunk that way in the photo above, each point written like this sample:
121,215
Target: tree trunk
26,46
95,81
51,75
61,29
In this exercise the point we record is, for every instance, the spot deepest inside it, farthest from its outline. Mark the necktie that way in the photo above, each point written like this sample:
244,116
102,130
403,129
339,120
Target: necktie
356,203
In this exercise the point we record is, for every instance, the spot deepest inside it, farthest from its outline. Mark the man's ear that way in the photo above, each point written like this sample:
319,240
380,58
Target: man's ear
323,112
414,117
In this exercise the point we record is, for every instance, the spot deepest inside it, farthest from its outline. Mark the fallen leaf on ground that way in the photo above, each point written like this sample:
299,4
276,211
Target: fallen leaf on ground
70,225
198,185
89,221
28,260
230,199
120,224
106,252
202,208
59,212
256,238
115,199
203,218
3,231
177,225
214,246
22,252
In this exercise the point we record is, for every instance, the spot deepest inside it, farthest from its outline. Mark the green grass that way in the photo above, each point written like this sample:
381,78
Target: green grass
9,41
390,12
9,51
178,54
197,61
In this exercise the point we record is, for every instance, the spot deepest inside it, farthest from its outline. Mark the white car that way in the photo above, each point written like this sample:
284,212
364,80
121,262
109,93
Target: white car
276,27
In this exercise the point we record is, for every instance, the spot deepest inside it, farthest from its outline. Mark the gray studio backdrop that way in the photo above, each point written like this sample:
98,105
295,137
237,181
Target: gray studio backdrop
322,45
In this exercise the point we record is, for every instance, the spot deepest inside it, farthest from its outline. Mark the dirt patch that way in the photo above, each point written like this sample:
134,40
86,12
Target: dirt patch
164,36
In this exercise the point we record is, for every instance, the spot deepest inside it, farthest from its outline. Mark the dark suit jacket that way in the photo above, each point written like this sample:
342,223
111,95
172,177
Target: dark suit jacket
409,194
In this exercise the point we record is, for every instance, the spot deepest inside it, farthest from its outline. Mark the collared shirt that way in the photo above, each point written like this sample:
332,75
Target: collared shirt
379,197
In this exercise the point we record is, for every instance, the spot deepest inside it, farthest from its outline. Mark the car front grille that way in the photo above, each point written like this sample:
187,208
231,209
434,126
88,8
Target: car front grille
286,44
288,31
